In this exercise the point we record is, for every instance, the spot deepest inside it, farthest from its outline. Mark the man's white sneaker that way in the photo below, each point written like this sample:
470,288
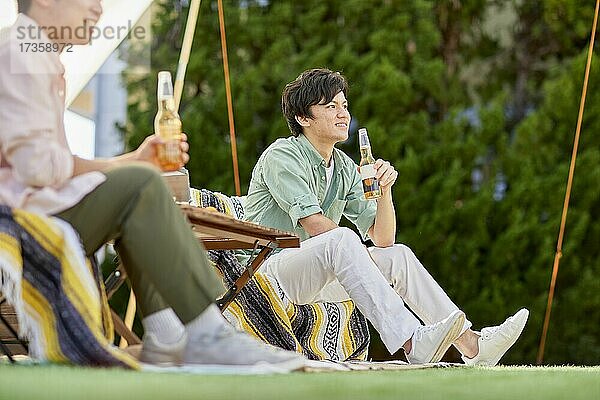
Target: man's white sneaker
496,340
156,353
232,348
430,342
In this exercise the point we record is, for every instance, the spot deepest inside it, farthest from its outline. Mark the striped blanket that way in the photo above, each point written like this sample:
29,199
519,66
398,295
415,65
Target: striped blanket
58,298
321,331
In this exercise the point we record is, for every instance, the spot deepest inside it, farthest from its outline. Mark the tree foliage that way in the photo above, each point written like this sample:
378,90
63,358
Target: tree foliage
473,101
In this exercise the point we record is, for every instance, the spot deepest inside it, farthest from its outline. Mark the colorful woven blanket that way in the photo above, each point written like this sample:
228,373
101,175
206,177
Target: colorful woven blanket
321,331
58,298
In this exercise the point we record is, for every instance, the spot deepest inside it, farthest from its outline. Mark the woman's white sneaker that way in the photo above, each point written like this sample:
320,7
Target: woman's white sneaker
495,341
160,354
233,348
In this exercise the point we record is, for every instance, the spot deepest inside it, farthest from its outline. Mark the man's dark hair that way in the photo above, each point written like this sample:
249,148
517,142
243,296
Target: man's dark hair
23,5
314,86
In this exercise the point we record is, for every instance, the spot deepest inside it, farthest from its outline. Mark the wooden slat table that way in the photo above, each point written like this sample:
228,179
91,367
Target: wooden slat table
217,231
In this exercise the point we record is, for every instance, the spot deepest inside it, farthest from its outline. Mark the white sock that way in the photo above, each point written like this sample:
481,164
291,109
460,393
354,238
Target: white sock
207,324
165,325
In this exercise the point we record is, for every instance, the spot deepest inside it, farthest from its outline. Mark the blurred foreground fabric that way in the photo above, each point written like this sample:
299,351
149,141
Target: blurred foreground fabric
59,300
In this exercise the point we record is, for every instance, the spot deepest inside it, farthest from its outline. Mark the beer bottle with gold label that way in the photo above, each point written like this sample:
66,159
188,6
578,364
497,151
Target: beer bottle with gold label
367,168
167,125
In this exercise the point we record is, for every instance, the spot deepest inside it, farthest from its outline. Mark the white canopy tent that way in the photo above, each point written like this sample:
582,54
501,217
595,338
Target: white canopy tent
8,13
83,63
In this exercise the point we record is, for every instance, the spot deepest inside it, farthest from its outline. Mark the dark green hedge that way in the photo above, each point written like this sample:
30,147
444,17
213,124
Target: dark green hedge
473,101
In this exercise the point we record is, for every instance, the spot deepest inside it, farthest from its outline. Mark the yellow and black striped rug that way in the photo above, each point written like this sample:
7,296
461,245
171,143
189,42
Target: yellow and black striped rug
321,331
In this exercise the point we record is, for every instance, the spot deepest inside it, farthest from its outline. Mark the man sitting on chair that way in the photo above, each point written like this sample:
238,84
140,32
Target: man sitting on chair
304,184
122,199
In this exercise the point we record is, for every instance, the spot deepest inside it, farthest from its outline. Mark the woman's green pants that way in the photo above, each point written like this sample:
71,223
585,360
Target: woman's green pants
165,263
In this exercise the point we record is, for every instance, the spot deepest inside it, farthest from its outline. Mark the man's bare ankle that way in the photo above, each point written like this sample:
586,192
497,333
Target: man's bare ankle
468,344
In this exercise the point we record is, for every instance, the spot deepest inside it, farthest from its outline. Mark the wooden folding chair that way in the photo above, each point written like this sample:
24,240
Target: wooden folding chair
122,327
10,343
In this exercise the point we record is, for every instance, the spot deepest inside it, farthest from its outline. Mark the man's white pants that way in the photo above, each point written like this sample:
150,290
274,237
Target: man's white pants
336,266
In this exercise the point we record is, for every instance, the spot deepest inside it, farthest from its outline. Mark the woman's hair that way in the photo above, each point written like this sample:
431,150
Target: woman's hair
23,5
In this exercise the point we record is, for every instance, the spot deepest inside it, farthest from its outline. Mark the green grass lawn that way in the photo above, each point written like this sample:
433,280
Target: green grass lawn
58,382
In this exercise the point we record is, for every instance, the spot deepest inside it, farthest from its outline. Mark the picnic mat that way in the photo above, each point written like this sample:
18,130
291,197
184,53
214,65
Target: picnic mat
311,366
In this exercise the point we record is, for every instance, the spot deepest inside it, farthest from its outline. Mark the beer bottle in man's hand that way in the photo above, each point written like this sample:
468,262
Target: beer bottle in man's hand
167,125
367,168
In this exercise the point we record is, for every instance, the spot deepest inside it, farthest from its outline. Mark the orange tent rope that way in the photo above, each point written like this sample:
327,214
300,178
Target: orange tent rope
558,255
236,173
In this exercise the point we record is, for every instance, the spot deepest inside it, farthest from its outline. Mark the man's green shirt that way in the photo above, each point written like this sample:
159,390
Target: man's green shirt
289,182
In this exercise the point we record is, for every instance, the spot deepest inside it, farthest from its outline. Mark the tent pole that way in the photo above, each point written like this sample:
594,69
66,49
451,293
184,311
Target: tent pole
184,55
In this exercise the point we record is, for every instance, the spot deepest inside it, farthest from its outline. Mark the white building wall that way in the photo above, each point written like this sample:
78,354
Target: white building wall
111,107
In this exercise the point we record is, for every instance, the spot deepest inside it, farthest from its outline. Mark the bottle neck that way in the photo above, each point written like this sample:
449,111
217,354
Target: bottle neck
166,103
365,154
365,151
